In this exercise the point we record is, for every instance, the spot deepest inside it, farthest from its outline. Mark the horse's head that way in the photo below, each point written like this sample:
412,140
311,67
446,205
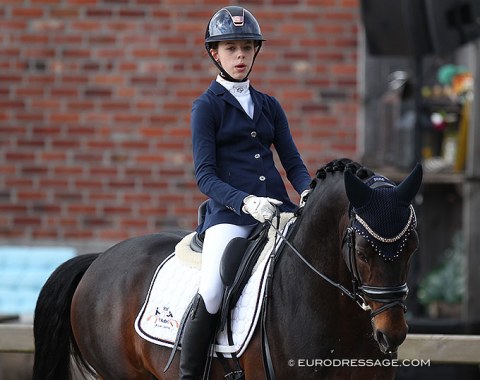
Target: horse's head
381,238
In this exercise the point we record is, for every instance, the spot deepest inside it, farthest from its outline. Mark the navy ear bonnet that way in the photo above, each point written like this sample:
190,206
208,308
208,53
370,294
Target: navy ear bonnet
385,220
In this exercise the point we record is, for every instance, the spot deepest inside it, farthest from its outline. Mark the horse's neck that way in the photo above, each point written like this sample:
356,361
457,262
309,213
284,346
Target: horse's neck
318,238
322,224
326,315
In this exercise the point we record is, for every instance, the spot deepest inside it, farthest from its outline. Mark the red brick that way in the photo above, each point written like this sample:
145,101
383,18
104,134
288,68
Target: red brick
31,12
45,104
46,25
54,183
81,209
12,78
86,25
20,156
65,143
108,87
109,79
68,170
79,234
45,234
45,2
131,13
19,183
58,118
81,2
65,13
127,118
98,92
98,12
52,156
88,184
113,235
91,221
141,224
63,91
137,198
21,221
12,208
34,170
110,210
7,25
102,196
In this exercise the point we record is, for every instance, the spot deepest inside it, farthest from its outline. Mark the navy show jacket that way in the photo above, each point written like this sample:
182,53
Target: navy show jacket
232,154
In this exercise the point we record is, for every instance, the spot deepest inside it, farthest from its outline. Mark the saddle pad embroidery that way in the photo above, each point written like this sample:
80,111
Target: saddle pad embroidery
173,286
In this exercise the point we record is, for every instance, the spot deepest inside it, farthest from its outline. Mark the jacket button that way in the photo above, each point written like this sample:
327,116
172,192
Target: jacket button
253,134
262,178
257,156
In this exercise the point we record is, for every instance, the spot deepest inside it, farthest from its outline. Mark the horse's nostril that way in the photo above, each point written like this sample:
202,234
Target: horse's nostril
381,337
383,341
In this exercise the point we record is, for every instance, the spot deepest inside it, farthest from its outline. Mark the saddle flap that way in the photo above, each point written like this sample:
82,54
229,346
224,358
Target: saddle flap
231,259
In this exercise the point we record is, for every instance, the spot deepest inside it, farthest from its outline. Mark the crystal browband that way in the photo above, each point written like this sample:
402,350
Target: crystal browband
411,218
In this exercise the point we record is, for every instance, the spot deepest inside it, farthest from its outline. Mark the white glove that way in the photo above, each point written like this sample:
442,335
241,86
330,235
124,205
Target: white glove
261,208
303,197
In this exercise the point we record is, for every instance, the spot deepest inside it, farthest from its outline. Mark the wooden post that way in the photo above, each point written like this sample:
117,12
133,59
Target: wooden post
441,348
471,208
16,338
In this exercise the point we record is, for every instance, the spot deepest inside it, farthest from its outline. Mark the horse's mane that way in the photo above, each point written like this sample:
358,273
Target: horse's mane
342,165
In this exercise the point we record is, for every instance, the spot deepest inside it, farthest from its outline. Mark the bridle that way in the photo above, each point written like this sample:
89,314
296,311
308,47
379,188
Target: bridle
389,296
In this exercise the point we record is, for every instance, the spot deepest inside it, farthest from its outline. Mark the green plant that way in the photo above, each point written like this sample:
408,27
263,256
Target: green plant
446,283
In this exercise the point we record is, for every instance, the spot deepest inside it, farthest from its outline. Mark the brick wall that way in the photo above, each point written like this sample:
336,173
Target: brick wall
95,100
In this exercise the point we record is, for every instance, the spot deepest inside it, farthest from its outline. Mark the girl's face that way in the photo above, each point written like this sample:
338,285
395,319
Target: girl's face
236,57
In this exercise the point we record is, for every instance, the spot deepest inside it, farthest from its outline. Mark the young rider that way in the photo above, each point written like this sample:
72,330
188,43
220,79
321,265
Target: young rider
233,128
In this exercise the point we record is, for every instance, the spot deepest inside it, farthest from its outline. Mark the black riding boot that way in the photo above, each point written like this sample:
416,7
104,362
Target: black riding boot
197,336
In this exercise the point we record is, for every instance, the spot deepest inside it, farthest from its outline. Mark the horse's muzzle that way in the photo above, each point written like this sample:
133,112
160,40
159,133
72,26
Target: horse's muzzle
390,330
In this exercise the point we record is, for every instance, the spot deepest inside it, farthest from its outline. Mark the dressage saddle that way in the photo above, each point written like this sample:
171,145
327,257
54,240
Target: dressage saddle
238,260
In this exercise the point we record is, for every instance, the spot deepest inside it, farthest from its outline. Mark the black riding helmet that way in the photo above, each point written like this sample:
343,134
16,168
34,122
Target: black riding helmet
232,24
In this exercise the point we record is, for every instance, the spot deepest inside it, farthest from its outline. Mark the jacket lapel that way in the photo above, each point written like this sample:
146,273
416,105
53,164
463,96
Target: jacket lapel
257,104
219,90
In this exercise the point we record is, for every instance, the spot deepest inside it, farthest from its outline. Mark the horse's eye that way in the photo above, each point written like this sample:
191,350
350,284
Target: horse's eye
362,256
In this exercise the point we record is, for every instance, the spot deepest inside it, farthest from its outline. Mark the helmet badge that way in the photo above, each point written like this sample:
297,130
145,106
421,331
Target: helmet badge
237,20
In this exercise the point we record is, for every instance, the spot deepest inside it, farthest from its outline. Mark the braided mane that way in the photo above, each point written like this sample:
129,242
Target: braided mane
342,165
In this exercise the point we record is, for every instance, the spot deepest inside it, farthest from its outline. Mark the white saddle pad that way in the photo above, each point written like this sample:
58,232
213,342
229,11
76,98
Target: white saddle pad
175,283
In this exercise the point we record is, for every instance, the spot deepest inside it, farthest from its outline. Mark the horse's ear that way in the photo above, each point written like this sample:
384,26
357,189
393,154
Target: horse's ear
410,185
358,193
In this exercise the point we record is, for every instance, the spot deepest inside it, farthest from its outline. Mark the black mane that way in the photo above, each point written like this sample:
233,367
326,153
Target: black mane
342,165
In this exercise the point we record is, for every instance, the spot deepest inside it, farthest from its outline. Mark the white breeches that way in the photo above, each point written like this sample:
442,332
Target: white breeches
216,239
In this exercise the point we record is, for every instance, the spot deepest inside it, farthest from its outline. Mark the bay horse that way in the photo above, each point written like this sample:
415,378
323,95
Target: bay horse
350,247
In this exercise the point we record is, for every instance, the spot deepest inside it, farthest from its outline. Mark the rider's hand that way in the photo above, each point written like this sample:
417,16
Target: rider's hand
261,208
303,197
